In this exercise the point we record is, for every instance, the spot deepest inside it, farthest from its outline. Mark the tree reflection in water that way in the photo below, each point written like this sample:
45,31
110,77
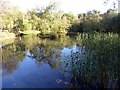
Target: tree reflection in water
11,56
47,51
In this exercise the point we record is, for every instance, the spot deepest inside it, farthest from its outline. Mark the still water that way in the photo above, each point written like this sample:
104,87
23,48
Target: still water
31,62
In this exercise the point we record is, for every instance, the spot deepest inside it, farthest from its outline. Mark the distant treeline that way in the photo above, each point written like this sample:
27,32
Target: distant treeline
49,20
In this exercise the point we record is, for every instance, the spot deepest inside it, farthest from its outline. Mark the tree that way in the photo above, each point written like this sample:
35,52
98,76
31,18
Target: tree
4,9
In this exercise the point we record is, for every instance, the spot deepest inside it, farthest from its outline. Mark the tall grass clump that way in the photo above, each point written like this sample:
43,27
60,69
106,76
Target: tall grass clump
98,65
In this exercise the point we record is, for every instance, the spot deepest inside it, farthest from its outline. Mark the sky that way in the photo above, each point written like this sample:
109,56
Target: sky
73,6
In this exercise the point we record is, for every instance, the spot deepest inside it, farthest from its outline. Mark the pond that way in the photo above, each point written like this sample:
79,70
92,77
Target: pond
32,62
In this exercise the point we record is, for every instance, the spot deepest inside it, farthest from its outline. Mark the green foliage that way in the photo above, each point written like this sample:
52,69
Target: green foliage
27,26
94,21
97,60
46,20
49,20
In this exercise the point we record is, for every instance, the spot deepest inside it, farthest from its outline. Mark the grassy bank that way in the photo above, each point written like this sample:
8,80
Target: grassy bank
6,36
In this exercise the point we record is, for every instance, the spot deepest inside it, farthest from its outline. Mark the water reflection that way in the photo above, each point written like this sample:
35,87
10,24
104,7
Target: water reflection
34,62
11,56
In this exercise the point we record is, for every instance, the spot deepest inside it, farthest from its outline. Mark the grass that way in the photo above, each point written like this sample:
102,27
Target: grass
98,63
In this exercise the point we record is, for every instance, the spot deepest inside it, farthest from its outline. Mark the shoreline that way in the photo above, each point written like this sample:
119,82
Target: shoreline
6,38
6,35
